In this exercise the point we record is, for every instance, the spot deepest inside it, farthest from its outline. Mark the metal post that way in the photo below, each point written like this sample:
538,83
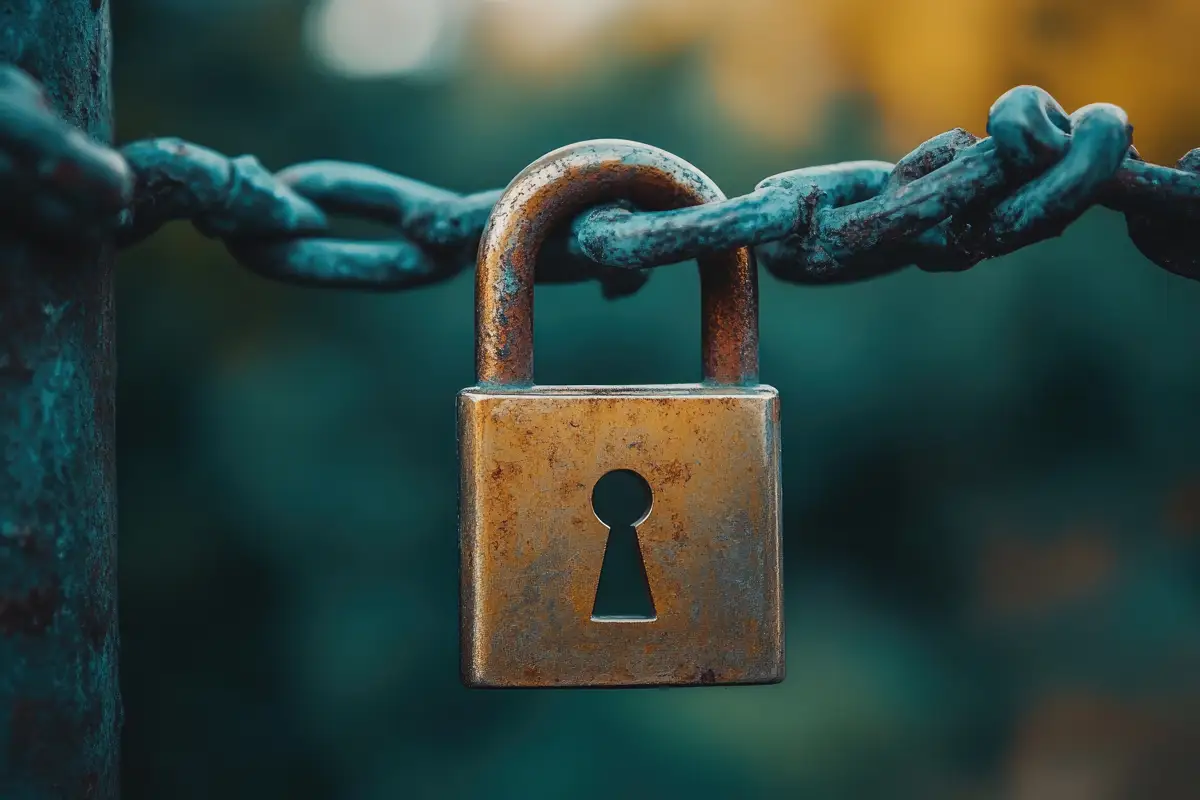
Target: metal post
60,710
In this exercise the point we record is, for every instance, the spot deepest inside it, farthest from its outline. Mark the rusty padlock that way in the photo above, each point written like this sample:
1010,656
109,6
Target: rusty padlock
532,546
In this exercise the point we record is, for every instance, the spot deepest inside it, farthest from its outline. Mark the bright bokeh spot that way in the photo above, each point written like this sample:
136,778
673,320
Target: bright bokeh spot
543,34
377,38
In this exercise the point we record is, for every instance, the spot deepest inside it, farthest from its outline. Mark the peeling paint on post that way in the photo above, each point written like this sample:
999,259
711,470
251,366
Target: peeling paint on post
60,710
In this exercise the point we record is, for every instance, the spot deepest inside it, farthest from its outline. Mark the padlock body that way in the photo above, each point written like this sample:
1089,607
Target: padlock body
532,547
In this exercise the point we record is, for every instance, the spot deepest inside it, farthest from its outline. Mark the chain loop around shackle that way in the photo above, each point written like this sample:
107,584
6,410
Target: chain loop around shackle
555,188
954,201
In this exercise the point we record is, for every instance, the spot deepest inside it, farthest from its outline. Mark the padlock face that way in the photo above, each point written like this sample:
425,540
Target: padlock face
533,547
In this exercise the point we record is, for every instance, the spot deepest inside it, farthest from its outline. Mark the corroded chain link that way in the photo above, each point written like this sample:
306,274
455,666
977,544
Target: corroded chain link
278,225
954,201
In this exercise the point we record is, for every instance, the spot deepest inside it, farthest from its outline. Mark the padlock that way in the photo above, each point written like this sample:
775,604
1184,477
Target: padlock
532,546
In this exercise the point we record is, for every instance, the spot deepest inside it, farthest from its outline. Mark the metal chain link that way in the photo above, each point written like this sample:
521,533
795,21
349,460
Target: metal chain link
954,201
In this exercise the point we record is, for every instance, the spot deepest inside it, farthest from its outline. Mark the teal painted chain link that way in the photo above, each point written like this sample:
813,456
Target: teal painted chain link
954,201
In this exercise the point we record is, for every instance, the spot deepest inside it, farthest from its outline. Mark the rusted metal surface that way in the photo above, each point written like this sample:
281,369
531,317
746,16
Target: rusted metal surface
954,201
278,225
549,193
60,709
532,546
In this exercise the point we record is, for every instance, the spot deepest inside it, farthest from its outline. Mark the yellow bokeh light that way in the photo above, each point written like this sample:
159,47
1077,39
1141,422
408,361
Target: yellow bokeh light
929,65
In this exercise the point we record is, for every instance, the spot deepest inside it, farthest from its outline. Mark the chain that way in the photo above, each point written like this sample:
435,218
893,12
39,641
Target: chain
954,201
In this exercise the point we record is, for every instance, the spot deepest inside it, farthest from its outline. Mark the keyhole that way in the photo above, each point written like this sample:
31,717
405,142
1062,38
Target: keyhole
622,501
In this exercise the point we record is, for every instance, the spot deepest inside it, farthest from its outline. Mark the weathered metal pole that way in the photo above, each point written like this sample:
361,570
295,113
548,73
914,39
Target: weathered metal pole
60,710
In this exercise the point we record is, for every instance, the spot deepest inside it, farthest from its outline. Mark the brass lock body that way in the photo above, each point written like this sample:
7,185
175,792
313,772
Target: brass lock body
532,546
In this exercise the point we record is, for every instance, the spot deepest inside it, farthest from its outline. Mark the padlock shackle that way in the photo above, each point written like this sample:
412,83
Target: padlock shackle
554,189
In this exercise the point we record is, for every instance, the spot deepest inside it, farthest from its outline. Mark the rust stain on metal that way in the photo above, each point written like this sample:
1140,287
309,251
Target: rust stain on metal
533,547
550,192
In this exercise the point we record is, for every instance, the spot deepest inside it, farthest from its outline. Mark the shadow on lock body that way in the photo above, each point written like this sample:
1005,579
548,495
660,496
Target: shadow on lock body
533,547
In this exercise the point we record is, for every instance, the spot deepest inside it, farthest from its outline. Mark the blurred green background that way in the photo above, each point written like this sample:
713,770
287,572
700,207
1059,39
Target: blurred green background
991,483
